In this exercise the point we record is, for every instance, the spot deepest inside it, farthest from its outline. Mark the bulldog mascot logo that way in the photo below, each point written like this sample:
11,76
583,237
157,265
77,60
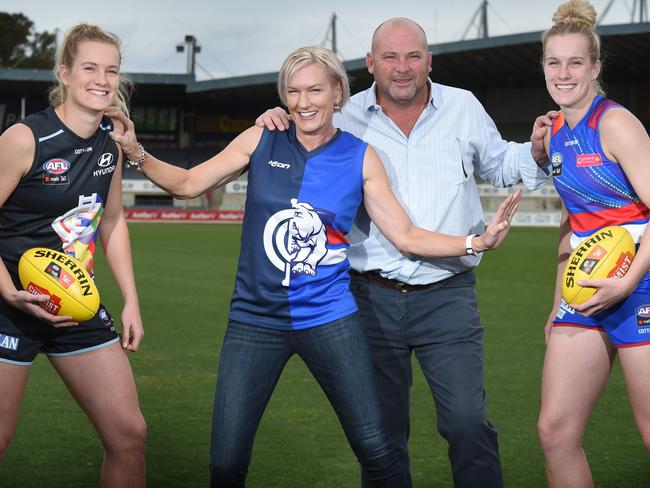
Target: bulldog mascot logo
295,241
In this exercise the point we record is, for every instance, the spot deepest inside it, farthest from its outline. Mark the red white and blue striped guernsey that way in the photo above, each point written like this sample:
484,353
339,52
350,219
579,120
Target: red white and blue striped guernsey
594,189
597,193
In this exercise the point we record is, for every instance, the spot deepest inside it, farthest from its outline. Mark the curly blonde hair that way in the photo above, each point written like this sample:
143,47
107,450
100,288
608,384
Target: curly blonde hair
65,56
577,17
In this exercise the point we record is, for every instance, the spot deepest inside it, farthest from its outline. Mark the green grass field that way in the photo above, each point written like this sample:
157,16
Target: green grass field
185,277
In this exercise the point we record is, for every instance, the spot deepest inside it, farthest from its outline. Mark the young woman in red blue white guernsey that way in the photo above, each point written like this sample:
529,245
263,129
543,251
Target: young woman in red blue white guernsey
600,156
61,188
291,292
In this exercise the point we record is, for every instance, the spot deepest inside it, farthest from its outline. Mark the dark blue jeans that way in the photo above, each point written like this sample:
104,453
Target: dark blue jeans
441,325
252,359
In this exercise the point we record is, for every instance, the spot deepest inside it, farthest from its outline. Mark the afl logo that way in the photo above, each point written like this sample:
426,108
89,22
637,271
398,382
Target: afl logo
104,160
56,166
643,315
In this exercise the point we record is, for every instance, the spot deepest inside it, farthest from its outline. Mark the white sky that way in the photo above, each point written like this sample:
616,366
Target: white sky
240,37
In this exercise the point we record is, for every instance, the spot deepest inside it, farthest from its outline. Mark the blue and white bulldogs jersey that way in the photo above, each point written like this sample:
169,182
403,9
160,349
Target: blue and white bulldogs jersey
293,266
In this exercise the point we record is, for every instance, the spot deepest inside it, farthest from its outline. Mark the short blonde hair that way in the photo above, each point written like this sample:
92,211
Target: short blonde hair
305,56
577,17
65,56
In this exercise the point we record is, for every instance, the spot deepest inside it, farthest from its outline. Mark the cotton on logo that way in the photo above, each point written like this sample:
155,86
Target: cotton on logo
56,166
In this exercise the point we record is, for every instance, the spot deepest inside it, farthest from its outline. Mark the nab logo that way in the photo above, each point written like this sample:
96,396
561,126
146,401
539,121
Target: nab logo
56,166
278,164
104,160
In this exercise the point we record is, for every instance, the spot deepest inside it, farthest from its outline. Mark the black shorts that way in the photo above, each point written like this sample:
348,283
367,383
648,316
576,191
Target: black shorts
23,336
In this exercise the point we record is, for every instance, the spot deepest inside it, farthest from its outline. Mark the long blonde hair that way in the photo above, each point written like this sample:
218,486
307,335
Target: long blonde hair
65,56
577,17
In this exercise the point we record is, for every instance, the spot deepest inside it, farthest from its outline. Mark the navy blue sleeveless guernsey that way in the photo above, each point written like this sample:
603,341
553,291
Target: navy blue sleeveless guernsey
60,201
293,266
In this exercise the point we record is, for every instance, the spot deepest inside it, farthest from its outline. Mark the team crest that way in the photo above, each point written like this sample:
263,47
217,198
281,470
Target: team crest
77,229
299,239
106,319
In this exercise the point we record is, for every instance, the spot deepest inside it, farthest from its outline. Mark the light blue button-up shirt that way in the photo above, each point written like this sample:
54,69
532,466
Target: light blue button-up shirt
432,175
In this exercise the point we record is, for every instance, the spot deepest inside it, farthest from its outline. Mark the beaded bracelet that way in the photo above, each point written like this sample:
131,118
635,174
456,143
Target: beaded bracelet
138,162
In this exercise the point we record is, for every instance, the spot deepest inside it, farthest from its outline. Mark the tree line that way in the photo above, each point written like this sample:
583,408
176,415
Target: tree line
22,46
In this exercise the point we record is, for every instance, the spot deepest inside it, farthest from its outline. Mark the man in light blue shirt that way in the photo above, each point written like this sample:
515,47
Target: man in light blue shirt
432,140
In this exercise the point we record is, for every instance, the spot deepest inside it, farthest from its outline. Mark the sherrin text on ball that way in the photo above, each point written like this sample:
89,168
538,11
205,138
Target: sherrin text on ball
607,253
71,289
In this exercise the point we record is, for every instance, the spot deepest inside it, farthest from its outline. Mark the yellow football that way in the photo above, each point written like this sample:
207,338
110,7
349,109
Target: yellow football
71,289
607,253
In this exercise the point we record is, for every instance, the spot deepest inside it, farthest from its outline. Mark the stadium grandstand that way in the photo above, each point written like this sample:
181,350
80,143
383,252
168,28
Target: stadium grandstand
184,121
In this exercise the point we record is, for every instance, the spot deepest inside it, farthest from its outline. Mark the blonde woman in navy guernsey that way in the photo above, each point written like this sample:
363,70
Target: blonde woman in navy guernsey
600,156
292,287
61,188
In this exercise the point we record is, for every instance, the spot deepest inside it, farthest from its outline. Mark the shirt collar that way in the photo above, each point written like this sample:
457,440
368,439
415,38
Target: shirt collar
370,102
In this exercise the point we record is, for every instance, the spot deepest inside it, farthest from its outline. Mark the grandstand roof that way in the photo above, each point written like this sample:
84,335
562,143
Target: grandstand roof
477,64
20,82
494,62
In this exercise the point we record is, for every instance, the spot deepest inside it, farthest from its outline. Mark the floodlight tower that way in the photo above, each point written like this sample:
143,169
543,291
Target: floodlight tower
640,6
333,29
192,48
480,15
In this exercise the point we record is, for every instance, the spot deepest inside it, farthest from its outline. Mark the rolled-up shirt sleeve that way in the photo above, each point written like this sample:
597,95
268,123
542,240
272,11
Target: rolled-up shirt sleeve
500,162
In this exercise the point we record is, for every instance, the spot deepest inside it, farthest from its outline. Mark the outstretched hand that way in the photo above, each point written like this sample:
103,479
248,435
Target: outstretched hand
498,229
124,134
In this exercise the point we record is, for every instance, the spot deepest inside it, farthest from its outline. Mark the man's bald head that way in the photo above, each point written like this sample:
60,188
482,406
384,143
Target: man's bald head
400,23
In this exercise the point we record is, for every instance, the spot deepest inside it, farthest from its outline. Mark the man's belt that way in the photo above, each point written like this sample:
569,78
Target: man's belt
377,279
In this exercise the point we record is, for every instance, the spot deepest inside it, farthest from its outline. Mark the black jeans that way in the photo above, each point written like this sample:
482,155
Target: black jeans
440,323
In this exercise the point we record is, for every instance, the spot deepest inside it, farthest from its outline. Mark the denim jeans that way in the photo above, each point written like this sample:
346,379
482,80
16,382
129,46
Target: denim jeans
252,359
441,325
